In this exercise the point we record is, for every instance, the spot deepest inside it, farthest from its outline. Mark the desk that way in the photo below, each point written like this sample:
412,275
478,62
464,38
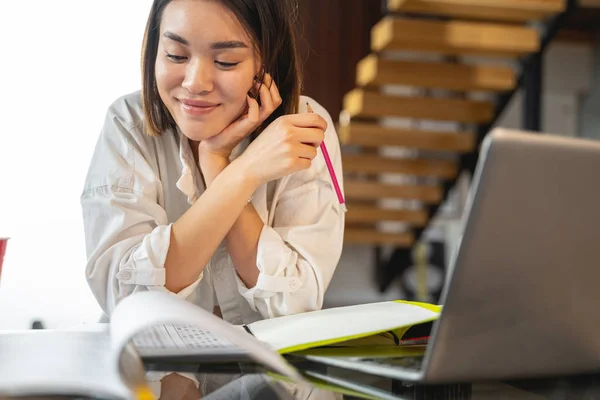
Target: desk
251,384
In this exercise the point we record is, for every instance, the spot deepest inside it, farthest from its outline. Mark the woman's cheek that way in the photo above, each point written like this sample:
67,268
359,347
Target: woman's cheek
237,84
235,91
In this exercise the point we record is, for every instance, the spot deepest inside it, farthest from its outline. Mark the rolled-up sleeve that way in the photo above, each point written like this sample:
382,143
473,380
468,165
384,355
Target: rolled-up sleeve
298,253
127,232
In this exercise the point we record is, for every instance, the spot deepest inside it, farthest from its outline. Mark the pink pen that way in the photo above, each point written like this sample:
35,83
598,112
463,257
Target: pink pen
336,185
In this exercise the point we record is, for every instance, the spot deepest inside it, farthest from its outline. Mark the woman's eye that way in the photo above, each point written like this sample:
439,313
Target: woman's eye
176,58
225,64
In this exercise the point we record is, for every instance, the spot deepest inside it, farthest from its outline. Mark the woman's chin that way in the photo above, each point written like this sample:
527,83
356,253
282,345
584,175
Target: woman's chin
198,131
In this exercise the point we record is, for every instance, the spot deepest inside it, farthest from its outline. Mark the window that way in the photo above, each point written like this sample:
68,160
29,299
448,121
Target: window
63,62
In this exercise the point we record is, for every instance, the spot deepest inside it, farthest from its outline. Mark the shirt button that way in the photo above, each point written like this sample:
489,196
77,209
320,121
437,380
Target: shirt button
124,276
294,285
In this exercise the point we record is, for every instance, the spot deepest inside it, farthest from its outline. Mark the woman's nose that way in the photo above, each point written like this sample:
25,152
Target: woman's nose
198,78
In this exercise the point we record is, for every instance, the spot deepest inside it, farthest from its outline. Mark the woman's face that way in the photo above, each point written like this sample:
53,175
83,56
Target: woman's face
205,66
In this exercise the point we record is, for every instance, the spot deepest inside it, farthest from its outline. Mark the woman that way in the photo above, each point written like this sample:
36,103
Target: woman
208,183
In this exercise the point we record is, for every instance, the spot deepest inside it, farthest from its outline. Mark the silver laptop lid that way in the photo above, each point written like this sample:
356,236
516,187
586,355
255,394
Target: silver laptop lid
524,295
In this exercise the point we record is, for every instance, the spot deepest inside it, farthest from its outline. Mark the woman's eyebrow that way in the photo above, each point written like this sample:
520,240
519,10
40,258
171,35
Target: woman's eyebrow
228,44
176,37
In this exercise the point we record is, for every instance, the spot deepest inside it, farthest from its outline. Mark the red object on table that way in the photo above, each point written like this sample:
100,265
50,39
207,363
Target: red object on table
3,244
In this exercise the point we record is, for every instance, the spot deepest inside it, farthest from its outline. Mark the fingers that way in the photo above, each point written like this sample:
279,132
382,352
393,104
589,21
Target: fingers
269,97
307,120
300,156
302,164
247,122
307,152
311,136
242,127
253,115
277,100
266,101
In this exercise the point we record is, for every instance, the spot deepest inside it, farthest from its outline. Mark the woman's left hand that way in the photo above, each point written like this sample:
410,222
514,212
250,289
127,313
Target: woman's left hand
223,143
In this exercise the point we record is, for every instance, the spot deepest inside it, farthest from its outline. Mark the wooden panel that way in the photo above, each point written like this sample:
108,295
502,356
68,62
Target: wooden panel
361,213
373,237
498,10
589,3
374,71
367,190
453,37
374,135
373,164
333,35
370,104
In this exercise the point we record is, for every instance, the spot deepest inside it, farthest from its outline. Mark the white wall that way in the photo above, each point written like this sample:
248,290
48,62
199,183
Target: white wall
63,63
568,75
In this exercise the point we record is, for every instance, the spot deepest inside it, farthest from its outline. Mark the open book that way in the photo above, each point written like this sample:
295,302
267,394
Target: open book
365,325
107,362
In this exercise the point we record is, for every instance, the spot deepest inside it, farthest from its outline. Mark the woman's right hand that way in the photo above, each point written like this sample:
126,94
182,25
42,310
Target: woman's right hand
287,145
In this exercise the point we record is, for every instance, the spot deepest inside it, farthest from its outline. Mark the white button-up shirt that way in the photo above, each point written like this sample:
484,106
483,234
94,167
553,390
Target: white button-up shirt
137,186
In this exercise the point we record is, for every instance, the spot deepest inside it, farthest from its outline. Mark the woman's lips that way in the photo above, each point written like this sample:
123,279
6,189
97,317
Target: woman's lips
197,108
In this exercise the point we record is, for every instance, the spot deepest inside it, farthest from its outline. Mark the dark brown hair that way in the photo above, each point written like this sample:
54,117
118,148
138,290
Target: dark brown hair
271,26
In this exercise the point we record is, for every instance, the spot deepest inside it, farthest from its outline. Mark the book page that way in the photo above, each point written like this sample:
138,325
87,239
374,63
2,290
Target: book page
141,311
44,363
334,325
178,339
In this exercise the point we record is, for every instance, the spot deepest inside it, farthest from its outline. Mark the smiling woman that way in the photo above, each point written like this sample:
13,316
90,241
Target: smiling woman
232,57
197,54
207,183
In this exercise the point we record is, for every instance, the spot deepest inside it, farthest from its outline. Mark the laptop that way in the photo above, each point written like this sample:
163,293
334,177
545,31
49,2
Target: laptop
522,296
